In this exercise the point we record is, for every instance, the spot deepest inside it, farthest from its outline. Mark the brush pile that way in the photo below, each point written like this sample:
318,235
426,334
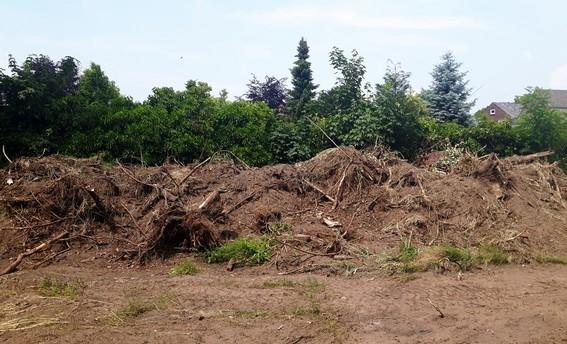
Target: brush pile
341,201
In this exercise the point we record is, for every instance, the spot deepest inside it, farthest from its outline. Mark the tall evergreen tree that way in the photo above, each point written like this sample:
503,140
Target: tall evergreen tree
303,90
447,97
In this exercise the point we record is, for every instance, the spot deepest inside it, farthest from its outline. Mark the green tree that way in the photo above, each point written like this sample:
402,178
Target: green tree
447,97
542,127
303,88
348,90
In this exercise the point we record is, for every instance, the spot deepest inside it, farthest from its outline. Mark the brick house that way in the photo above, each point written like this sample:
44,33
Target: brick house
499,111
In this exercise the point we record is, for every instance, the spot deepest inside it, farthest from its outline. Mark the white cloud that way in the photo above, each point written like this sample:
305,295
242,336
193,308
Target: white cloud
347,17
559,77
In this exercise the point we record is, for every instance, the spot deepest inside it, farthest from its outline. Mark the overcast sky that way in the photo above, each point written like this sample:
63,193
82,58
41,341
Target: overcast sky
505,45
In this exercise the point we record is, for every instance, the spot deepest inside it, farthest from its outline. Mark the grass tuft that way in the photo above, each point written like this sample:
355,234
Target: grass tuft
279,227
135,308
489,254
185,267
551,260
51,286
280,283
248,250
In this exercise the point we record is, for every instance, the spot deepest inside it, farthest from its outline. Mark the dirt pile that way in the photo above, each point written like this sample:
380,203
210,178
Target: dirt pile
340,201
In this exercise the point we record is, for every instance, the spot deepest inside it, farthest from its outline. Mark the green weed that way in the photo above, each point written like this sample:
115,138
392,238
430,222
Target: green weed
185,267
248,250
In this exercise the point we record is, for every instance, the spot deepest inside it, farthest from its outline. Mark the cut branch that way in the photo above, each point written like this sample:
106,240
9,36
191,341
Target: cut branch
316,188
34,250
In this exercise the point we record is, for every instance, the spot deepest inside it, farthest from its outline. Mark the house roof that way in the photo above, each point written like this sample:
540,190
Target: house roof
512,109
558,99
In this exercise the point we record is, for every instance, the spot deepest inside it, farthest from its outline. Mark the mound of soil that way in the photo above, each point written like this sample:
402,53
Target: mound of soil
340,201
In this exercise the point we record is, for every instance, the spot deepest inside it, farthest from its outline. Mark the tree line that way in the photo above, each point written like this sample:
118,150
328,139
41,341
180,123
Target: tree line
51,107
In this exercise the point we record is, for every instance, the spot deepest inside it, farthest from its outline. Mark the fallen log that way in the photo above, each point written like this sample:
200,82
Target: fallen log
526,159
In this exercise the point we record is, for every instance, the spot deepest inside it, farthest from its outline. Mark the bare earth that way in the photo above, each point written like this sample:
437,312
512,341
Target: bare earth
511,304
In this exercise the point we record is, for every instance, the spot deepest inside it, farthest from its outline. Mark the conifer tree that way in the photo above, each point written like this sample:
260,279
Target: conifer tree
303,90
447,97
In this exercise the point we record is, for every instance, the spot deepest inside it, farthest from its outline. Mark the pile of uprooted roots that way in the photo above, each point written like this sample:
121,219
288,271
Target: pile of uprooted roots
338,203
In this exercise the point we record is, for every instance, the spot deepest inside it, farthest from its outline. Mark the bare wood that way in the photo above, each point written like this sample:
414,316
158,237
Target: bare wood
210,199
38,248
436,308
194,170
314,187
6,155
339,194
129,174
526,159
239,204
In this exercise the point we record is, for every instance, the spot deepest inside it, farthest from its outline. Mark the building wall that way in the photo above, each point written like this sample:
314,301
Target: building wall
498,115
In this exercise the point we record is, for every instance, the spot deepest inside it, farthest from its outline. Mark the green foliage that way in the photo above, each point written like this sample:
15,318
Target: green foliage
447,97
540,126
49,107
185,267
247,250
348,90
243,128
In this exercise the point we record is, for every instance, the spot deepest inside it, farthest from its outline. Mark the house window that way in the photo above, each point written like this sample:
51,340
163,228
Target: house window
492,112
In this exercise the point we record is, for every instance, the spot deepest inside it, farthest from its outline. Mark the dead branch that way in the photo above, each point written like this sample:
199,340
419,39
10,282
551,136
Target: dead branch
129,174
314,187
6,155
53,256
239,204
339,193
436,308
526,159
38,248
194,170
105,211
213,196
330,139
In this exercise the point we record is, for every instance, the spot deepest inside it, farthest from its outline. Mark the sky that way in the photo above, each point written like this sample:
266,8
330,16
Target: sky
504,45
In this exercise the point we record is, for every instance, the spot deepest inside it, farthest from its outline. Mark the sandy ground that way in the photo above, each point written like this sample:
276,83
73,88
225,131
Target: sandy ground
511,304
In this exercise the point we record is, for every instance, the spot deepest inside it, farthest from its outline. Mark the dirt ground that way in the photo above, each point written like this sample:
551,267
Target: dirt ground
511,304
86,248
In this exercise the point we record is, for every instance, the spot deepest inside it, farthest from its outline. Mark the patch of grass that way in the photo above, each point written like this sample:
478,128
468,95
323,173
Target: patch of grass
278,227
248,250
280,283
456,254
312,309
489,254
407,252
547,259
51,286
185,267
135,308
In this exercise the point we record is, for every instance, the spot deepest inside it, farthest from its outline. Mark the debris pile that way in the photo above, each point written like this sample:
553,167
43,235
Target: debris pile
338,203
